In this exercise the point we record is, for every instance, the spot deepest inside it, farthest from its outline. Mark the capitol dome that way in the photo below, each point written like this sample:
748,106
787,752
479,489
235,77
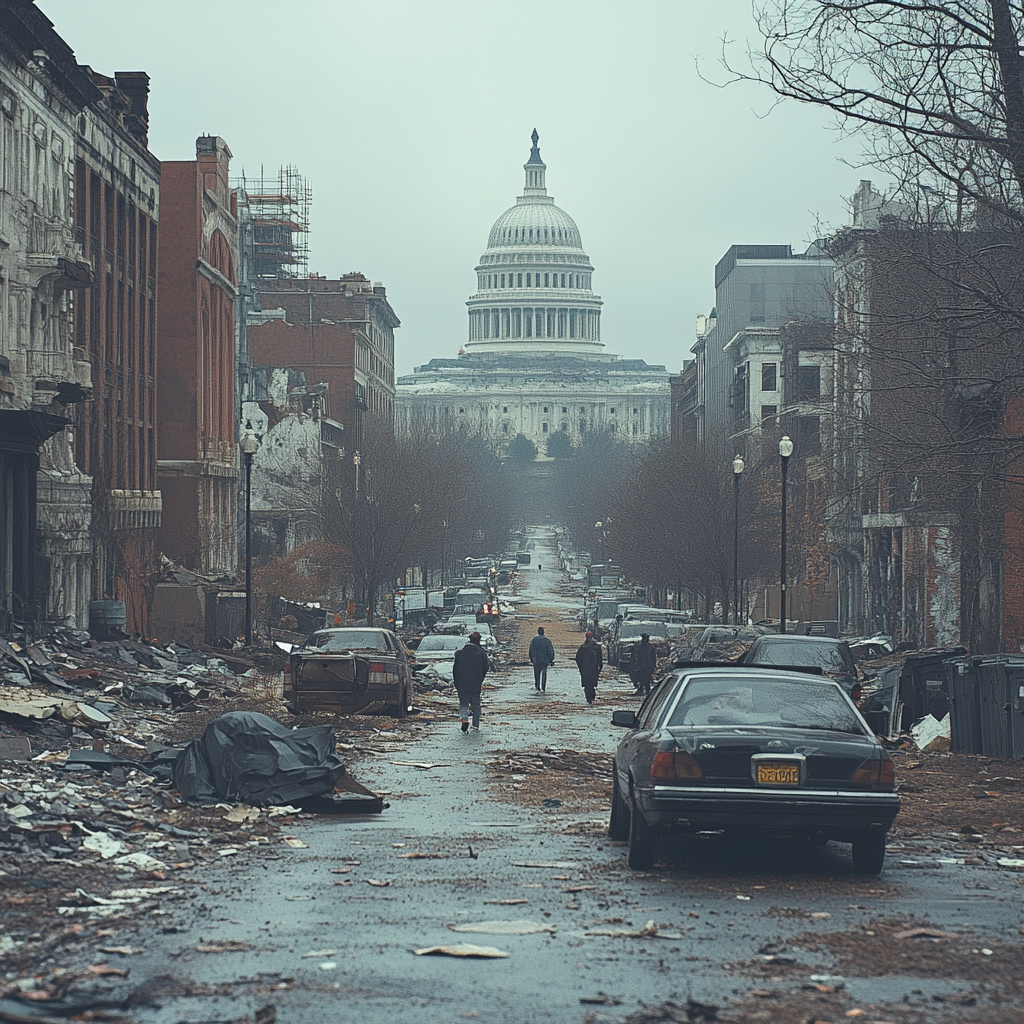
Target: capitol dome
534,223
533,282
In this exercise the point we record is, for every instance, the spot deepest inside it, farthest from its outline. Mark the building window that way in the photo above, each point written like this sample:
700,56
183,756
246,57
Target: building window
547,283
461,409
504,408
769,381
545,408
564,409
768,412
504,427
809,385
502,280
527,280
563,280
565,426
519,280
613,410
544,428
809,434
757,303
636,412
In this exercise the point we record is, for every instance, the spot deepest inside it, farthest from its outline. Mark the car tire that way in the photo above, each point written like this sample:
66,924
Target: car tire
869,853
618,821
642,839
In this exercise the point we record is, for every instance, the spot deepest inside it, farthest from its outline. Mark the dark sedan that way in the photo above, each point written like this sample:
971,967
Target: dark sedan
753,752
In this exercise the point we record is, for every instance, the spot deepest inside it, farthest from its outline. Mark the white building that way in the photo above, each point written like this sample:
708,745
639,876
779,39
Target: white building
534,362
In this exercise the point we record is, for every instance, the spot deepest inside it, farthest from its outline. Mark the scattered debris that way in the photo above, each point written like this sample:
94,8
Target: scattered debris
248,757
462,949
931,734
503,927
227,946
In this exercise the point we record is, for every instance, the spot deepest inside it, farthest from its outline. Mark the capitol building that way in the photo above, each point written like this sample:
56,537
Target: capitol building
534,362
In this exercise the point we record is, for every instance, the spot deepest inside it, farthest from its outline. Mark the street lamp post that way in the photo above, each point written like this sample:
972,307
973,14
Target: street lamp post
737,472
248,446
785,450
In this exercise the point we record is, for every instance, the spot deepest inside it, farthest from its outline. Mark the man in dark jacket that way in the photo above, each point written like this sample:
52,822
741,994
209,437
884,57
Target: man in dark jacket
471,665
641,664
590,662
542,654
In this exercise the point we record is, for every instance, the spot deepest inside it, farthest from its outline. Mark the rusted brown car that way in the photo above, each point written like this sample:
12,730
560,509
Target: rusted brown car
350,670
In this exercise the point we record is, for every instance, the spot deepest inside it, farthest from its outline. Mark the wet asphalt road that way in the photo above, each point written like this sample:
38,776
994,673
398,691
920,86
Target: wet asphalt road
722,904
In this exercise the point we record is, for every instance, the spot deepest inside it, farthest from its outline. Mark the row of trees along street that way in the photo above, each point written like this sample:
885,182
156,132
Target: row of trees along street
666,514
420,501
930,302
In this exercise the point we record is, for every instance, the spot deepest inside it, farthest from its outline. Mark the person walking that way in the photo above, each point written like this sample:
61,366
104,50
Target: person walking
542,654
641,664
470,668
590,662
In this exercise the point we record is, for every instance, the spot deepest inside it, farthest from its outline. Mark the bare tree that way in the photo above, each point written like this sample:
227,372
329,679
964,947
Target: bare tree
934,88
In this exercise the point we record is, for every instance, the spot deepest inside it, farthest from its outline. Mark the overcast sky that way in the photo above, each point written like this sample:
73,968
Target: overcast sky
412,119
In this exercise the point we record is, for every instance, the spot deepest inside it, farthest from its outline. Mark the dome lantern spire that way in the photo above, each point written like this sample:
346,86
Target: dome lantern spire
535,168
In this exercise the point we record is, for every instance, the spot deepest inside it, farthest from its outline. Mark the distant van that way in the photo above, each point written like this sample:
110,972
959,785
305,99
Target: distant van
522,558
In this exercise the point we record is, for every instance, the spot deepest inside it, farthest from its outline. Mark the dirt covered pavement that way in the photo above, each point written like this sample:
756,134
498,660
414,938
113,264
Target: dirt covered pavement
497,841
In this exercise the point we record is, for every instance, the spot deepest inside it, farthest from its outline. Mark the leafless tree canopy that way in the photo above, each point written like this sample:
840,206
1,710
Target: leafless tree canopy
935,89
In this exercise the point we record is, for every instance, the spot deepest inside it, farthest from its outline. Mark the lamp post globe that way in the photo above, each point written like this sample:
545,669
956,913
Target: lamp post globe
785,451
737,472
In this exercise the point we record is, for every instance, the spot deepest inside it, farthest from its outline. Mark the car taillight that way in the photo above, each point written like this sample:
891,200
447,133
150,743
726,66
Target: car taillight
877,773
376,666
675,765
857,692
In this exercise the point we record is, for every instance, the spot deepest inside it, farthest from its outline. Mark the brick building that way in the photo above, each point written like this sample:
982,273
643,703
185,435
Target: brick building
117,194
197,453
339,333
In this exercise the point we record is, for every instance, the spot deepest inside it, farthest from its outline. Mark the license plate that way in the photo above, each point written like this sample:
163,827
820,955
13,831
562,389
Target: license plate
778,774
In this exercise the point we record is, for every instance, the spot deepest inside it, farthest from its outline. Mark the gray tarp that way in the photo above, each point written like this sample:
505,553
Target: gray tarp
248,758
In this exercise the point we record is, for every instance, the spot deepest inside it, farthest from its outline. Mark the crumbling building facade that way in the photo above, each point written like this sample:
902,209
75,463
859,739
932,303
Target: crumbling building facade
44,498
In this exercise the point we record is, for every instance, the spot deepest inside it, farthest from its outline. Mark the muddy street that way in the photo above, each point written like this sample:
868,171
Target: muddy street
498,839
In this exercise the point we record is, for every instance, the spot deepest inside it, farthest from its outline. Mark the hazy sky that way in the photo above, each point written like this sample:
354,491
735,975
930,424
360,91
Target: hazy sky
412,119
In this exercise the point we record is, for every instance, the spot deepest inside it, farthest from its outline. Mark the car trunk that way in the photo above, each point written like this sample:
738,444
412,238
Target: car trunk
725,757
331,682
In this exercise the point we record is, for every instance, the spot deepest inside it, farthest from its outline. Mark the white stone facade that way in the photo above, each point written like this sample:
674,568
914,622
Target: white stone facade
41,97
534,362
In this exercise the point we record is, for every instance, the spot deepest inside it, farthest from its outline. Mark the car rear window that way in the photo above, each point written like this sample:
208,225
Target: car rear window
630,629
762,702
796,652
348,640
442,643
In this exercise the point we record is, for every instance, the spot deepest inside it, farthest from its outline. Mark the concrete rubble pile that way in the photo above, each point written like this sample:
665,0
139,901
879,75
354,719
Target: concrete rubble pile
87,747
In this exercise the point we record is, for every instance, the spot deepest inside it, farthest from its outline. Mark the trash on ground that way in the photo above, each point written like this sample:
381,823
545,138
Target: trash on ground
649,931
227,946
503,927
249,758
931,734
462,949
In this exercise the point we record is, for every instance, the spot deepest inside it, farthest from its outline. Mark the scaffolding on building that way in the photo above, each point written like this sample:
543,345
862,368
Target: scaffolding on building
277,207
